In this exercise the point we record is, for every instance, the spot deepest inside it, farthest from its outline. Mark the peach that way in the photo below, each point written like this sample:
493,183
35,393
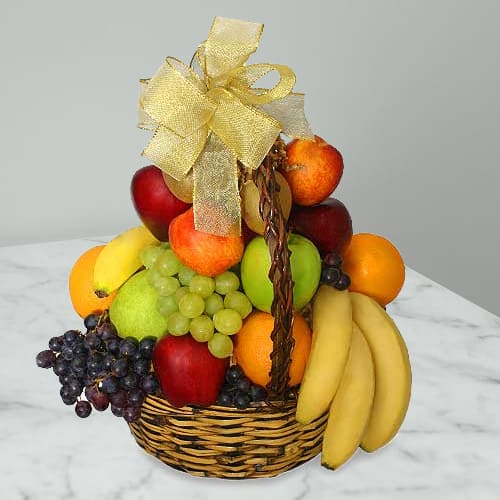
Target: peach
314,170
207,254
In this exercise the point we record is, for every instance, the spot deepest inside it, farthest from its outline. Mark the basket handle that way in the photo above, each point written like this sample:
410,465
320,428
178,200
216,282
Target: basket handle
276,236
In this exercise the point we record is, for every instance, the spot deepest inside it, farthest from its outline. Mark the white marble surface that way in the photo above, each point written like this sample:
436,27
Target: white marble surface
448,447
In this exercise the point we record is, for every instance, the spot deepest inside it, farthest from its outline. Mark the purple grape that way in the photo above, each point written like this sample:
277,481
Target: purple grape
90,390
257,393
333,260
130,381
136,397
67,352
330,275
128,346
120,367
233,374
131,413
141,366
67,395
343,282
149,384
45,359
241,400
100,401
119,398
92,341
61,367
91,321
243,384
113,346
146,347
117,411
71,336
107,331
110,384
55,343
83,409
225,398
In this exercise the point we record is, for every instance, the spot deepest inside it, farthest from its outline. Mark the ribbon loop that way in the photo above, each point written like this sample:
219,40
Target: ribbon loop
209,121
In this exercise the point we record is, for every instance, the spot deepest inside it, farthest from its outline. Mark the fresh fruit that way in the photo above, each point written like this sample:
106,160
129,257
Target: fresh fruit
331,341
314,170
332,274
227,321
187,372
328,226
375,267
392,371
107,369
120,259
238,390
182,189
305,264
134,311
220,345
154,202
81,285
250,199
253,347
351,407
207,254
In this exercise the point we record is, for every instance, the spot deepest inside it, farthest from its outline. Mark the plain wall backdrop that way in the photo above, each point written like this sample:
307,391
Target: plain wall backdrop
408,91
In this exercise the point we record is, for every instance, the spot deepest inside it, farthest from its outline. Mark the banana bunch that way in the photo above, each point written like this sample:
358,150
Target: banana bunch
120,259
358,370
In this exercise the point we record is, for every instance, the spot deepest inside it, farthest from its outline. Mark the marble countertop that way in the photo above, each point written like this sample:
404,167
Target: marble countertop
448,446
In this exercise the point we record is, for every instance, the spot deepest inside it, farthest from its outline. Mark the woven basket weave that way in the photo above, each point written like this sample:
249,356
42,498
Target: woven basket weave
265,439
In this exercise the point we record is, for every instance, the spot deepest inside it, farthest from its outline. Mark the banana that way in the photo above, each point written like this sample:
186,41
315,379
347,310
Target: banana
352,405
120,258
392,371
331,340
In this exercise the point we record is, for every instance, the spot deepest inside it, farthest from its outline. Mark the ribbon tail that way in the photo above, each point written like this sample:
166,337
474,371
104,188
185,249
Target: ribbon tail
216,200
289,111
175,155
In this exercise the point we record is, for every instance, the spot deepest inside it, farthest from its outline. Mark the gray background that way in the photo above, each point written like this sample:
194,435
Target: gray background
407,90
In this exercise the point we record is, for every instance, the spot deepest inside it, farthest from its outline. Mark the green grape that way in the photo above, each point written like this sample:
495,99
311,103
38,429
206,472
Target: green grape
226,282
167,286
202,285
227,321
191,305
202,328
213,304
168,263
180,292
178,324
239,302
185,275
149,255
167,305
154,277
220,345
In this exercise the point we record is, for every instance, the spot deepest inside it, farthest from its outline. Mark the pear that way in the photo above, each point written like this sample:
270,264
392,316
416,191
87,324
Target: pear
134,311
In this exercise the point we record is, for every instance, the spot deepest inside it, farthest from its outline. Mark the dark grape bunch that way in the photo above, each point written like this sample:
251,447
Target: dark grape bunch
110,371
239,391
332,274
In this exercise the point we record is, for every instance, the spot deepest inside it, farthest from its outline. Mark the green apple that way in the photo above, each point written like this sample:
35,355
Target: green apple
305,264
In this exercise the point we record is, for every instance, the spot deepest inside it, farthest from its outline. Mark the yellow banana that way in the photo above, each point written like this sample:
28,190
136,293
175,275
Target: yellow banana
120,258
352,405
392,371
331,340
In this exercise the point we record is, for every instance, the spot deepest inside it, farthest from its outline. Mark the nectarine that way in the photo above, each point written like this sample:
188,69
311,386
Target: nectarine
314,170
205,253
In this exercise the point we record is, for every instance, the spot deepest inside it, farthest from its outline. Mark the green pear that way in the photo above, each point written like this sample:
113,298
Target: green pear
134,311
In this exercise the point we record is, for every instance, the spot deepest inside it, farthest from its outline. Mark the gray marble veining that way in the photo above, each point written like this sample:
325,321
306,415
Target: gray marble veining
448,447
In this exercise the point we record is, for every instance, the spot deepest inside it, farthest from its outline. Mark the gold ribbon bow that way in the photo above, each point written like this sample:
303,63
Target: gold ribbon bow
209,116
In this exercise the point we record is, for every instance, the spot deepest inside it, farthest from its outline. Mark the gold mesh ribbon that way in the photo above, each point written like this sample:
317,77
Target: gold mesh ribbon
209,116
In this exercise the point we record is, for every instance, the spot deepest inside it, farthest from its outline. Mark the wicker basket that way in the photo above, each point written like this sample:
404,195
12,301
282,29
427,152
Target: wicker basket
265,439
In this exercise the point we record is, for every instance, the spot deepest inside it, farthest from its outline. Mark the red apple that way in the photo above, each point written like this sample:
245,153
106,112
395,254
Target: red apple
328,225
154,202
187,372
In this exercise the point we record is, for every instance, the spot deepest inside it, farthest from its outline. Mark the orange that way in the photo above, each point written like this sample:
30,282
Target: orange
81,289
253,347
375,267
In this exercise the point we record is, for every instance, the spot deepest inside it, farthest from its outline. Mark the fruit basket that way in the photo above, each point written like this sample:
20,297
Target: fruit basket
241,330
